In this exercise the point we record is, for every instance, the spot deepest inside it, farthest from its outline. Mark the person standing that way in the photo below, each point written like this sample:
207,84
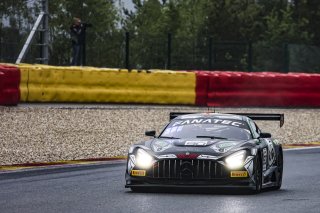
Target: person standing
78,36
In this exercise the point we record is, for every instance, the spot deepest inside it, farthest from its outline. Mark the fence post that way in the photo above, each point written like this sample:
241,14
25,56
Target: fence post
84,50
250,56
286,58
45,34
210,54
127,65
169,52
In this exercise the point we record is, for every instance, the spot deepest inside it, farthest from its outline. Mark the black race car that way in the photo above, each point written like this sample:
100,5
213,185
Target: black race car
208,150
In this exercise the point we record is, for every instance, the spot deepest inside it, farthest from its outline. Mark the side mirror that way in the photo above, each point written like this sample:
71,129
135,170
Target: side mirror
150,133
265,135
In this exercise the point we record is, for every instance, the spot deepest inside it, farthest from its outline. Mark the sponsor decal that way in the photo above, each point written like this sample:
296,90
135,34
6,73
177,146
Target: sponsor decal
264,160
167,156
138,172
239,174
195,143
210,121
211,157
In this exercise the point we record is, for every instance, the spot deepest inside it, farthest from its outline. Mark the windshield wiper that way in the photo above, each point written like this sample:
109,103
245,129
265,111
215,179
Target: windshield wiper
168,137
212,137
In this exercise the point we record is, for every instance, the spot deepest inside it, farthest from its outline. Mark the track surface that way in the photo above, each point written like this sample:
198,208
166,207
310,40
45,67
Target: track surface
100,188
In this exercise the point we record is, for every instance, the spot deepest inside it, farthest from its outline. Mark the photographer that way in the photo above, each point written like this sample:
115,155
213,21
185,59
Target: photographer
78,36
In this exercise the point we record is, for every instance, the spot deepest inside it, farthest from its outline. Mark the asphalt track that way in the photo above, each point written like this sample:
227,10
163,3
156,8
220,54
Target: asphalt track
100,188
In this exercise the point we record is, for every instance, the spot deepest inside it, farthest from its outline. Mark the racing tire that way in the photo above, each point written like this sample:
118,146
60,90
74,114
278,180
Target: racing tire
258,176
279,174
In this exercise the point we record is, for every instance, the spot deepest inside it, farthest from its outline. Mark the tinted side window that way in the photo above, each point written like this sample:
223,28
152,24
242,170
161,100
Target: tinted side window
254,128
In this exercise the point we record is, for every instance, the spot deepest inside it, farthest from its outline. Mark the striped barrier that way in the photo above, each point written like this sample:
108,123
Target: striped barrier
76,84
40,83
202,83
9,85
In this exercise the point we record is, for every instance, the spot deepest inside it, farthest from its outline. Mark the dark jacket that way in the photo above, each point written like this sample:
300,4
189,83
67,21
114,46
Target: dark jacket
78,33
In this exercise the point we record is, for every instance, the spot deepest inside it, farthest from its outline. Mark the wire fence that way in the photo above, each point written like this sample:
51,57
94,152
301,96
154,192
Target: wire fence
126,50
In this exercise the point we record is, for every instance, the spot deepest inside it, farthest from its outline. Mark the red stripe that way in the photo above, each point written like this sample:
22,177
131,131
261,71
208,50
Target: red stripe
261,89
9,85
187,156
202,81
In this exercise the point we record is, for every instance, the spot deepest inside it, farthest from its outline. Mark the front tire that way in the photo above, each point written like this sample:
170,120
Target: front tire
279,174
142,189
137,189
258,176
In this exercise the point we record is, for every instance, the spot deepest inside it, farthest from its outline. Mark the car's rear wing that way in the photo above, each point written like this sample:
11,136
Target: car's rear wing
253,116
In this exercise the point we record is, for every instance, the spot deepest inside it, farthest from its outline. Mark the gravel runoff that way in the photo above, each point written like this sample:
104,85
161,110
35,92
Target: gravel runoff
44,133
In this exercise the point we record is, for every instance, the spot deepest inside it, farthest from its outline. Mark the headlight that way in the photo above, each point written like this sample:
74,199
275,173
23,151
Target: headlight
236,160
143,159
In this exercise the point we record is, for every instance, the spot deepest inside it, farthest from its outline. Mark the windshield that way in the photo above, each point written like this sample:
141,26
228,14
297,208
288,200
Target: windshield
207,128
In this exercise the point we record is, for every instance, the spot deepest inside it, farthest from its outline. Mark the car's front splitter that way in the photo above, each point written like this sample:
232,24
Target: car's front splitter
190,183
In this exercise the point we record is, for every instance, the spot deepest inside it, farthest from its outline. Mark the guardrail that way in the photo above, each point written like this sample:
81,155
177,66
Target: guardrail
88,84
41,83
9,85
262,89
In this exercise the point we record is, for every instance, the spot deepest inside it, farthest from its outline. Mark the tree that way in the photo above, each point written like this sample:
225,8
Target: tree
17,20
307,11
281,29
148,27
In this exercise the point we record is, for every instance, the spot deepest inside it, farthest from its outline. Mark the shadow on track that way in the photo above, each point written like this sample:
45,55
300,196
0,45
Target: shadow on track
220,191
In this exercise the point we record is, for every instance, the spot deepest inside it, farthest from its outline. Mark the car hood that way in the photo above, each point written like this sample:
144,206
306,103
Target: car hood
216,147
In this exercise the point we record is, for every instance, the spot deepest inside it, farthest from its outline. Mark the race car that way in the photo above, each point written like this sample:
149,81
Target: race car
208,150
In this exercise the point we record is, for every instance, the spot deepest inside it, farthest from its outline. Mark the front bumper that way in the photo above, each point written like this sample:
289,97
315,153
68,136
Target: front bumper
147,182
226,182
189,173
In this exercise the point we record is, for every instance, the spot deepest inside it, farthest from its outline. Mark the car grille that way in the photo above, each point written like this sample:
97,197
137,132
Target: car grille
187,169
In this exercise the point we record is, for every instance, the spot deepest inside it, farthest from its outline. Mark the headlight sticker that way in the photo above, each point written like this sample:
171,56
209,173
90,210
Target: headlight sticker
223,147
160,146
